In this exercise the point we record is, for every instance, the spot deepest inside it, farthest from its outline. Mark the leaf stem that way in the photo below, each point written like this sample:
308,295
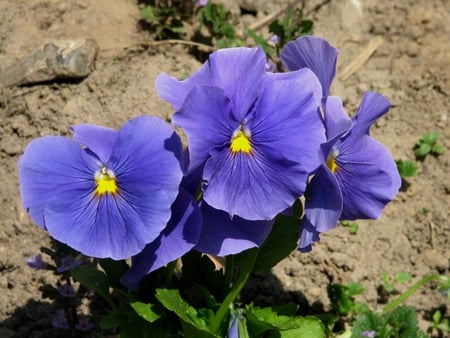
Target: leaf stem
245,262
390,306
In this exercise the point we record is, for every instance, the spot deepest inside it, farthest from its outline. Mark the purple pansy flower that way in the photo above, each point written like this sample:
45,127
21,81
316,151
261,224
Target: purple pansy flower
68,263
59,320
314,53
357,176
66,290
253,135
180,235
85,323
106,193
37,263
222,235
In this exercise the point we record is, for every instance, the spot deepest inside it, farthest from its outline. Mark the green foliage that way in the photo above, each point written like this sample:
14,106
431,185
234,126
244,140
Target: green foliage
93,279
291,26
400,323
440,324
217,20
342,297
428,145
353,227
281,322
389,284
195,321
406,168
286,231
166,19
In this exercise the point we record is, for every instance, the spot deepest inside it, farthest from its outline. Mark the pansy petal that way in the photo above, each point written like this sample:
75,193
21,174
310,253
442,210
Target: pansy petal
314,53
368,177
98,139
235,70
287,119
222,235
105,226
206,119
50,165
372,107
180,236
147,161
323,205
251,186
240,72
308,235
337,121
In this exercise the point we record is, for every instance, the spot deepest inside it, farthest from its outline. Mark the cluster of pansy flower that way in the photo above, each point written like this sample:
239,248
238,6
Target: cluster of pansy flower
256,142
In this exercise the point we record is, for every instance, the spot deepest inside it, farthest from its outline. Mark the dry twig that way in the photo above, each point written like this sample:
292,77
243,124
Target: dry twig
361,59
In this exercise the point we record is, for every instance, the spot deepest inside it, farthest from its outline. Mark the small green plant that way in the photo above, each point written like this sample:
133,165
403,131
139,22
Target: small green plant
291,26
218,21
428,145
353,227
166,18
440,324
389,284
406,168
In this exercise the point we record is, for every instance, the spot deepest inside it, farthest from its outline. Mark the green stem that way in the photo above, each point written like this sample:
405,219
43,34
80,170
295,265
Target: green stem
396,302
245,262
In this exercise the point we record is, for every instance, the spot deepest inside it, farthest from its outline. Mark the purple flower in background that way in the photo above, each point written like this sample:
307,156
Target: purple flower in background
275,39
59,320
253,135
358,175
180,236
66,290
84,324
37,263
201,3
270,66
106,193
370,334
68,263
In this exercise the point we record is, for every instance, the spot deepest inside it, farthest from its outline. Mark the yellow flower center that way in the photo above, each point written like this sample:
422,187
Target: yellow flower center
106,182
240,142
331,161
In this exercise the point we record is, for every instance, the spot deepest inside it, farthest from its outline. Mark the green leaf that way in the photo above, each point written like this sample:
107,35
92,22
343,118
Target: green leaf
438,149
306,327
403,322
430,137
146,311
114,270
93,279
354,288
406,168
402,277
285,231
171,300
281,322
423,149
368,321
149,13
114,319
340,298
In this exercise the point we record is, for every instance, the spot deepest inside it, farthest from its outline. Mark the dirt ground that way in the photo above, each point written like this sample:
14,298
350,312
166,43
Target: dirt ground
411,67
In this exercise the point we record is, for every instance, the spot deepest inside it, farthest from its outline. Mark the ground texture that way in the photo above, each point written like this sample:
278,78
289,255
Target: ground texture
411,67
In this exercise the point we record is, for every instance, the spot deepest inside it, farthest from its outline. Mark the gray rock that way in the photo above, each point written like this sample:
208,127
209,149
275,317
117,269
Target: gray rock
57,60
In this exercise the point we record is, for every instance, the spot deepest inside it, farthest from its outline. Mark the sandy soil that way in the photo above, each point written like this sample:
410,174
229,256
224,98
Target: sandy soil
411,68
